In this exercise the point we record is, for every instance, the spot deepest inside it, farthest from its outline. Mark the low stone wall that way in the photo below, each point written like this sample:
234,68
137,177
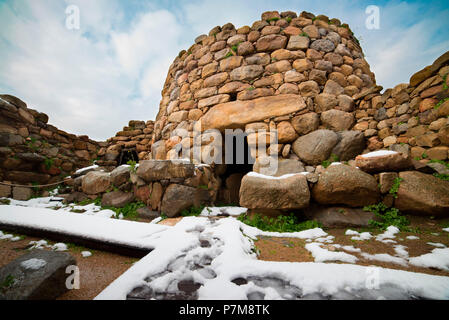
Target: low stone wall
35,152
410,118
136,137
167,187
389,177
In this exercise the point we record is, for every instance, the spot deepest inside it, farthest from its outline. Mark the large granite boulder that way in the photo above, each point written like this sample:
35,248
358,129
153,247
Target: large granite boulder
345,185
277,167
282,193
38,275
120,175
176,199
96,182
339,217
154,170
315,147
350,145
237,114
117,199
422,194
383,161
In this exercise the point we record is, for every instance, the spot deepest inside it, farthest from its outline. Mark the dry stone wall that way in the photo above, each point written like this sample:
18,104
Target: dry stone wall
410,118
35,152
132,143
285,73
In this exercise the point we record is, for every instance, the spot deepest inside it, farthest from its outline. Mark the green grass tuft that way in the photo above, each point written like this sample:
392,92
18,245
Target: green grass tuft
286,223
192,212
388,217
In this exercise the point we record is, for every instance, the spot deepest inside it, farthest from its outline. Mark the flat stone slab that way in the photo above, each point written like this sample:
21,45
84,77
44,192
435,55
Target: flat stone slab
38,275
340,217
154,170
236,114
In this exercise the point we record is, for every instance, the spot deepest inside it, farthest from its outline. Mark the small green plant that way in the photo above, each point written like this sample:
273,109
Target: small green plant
442,176
5,201
272,19
75,247
192,212
446,164
236,46
440,103
285,223
203,187
332,159
424,156
288,19
251,88
163,216
304,34
48,163
395,187
388,217
128,211
228,55
445,87
7,283
133,165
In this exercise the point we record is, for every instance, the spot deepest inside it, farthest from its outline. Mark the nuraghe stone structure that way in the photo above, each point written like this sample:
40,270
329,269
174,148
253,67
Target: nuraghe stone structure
286,73
302,85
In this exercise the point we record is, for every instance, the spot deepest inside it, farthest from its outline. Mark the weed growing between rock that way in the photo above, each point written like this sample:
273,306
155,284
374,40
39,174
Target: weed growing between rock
285,223
192,212
388,216
129,211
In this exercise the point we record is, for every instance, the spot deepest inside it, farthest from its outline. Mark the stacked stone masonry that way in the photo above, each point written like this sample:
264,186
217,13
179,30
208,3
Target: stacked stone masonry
35,152
410,118
285,73
136,137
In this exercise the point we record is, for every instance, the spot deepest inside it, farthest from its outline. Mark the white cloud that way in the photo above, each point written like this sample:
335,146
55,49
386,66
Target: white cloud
87,85
94,80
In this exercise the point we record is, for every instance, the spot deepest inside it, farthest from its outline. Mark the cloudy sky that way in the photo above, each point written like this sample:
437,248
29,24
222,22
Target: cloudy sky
95,79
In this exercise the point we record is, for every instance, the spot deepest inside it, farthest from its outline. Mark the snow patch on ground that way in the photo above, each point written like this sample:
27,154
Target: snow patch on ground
438,245
401,251
385,257
113,231
351,249
438,258
60,247
412,238
388,235
86,254
41,244
358,236
446,229
179,255
322,255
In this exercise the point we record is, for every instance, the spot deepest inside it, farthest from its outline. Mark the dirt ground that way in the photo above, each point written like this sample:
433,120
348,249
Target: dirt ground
102,268
293,250
96,271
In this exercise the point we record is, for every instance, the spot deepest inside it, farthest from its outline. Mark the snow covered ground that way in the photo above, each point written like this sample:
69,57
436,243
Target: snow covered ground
203,258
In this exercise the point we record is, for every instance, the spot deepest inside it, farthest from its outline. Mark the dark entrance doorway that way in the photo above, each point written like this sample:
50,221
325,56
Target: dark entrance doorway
239,162
128,155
